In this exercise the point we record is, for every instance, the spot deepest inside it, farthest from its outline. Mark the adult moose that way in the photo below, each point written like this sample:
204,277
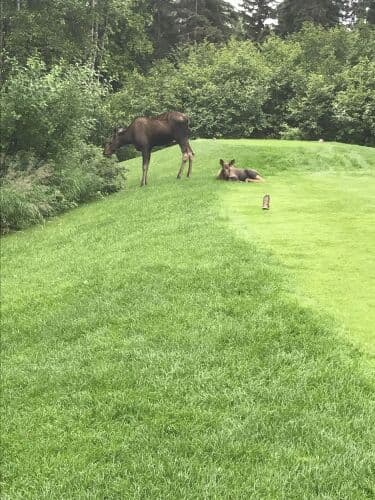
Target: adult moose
145,132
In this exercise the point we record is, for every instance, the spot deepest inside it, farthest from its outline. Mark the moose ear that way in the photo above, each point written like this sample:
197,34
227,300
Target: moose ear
232,162
222,163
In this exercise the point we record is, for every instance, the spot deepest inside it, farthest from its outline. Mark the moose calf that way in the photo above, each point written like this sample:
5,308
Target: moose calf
229,172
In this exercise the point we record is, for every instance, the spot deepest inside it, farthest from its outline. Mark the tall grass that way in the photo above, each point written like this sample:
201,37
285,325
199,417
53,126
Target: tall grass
29,196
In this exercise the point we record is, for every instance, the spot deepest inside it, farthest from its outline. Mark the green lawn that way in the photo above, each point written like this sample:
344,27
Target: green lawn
152,351
321,228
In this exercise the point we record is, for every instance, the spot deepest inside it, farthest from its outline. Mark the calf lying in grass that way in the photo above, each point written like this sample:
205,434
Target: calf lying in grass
229,172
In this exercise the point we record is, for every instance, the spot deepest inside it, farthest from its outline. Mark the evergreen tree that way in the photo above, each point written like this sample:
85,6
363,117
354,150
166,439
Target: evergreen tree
164,28
254,14
371,12
358,10
364,10
292,14
198,20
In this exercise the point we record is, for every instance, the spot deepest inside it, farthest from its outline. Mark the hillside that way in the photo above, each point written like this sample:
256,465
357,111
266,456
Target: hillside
161,344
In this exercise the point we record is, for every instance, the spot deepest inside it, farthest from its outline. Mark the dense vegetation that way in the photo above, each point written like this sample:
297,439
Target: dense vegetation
317,83
72,70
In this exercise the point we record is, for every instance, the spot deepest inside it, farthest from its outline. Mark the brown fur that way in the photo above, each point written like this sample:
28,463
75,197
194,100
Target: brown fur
228,172
145,132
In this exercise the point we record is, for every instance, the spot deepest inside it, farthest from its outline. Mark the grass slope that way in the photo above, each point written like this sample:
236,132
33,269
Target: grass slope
148,352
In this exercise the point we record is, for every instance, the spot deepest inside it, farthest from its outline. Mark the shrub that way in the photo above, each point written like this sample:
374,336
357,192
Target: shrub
243,90
354,105
46,165
30,195
290,133
18,208
312,109
221,88
48,112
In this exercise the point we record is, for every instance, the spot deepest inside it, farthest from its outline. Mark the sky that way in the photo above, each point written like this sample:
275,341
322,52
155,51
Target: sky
235,3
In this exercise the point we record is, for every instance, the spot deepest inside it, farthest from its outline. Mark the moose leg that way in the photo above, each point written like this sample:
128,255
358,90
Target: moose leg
187,154
146,153
185,157
257,179
191,156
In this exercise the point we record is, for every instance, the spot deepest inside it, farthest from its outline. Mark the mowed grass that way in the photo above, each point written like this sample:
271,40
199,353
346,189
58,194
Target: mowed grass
150,352
321,227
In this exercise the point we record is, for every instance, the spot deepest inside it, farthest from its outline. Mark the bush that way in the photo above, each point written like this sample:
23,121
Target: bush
30,195
48,112
221,88
312,109
46,164
290,133
354,105
305,86
19,207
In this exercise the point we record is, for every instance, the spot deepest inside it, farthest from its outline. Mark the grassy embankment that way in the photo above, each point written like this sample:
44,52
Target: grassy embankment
150,351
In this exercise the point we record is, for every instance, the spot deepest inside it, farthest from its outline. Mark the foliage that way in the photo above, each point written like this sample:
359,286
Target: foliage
46,164
290,133
48,112
312,109
254,15
354,105
241,89
114,37
204,20
221,88
293,13
285,81
33,190
164,29
108,36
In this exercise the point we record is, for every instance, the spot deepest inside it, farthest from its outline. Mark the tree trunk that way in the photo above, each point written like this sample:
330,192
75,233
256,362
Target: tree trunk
94,35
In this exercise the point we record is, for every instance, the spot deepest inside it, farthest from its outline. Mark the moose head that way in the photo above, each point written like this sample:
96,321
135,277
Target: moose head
117,140
226,168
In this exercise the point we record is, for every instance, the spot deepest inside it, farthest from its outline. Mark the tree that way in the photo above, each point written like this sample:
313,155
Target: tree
292,14
371,13
255,14
163,30
109,35
364,10
358,10
354,105
198,20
